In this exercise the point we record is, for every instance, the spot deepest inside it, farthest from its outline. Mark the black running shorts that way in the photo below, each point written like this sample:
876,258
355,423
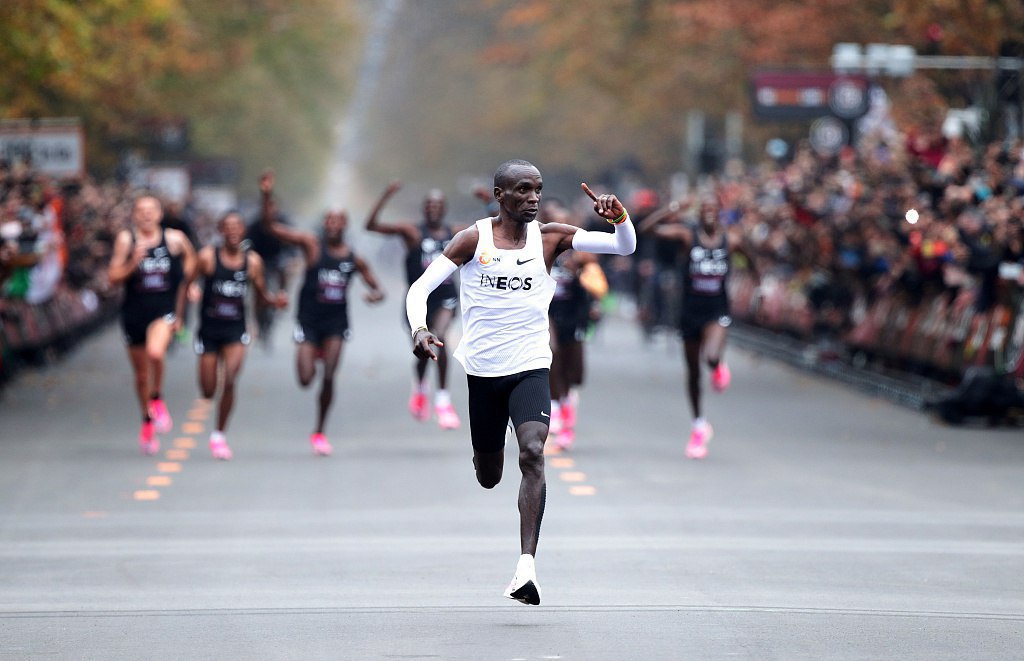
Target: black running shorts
318,331
212,341
135,327
698,313
494,400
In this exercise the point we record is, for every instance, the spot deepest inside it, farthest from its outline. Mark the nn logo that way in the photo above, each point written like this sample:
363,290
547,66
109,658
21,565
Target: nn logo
486,258
505,283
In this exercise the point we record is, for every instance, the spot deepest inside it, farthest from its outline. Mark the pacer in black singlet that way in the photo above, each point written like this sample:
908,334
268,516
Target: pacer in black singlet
323,304
579,286
221,342
151,291
153,264
424,242
707,250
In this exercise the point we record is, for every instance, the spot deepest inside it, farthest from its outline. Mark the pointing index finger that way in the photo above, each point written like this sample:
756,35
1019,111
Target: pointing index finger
586,189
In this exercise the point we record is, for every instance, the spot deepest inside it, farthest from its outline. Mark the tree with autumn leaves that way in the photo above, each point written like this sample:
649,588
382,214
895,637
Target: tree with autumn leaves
591,85
259,80
602,83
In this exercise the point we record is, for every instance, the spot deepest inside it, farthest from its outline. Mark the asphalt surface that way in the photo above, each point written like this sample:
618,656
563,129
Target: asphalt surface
825,522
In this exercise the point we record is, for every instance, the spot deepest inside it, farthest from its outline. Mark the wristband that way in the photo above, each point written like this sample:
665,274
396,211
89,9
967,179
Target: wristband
621,219
418,330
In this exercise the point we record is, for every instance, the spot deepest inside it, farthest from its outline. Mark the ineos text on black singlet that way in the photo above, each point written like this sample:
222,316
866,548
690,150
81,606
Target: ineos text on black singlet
706,270
224,292
324,293
152,288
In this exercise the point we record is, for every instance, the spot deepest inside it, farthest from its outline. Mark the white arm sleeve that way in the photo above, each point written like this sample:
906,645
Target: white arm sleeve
416,299
621,242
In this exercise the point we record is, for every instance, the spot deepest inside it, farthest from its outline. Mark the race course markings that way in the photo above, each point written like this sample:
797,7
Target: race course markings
173,457
566,466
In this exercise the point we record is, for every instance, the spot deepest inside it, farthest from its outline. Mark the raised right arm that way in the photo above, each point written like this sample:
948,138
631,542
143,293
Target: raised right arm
283,233
409,233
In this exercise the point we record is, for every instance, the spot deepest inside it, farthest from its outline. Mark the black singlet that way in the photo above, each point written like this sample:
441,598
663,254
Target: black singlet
705,272
324,293
151,290
224,292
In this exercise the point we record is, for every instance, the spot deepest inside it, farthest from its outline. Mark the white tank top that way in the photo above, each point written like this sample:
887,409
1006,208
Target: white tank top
505,296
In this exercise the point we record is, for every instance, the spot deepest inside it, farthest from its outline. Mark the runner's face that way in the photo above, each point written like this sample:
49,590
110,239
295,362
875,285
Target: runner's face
146,213
708,217
233,230
433,209
520,198
334,225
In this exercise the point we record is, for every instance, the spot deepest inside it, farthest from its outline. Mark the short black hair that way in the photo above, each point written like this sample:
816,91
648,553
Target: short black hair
504,172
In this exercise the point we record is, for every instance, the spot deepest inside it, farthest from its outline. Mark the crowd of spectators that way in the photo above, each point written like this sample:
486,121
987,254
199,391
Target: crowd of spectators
834,231
55,242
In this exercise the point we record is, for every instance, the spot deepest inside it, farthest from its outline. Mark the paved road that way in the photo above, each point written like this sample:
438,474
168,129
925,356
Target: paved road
824,523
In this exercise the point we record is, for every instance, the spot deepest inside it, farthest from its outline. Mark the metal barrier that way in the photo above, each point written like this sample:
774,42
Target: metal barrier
943,334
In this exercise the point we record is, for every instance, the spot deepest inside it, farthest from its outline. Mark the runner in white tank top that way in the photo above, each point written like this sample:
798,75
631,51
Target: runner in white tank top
505,295
506,288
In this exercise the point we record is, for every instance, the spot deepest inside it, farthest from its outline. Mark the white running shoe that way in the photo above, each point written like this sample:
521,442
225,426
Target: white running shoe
524,586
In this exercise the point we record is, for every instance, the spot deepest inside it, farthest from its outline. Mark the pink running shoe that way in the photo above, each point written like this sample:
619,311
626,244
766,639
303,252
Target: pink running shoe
148,442
320,445
568,416
697,448
446,416
565,438
418,406
161,416
219,449
721,377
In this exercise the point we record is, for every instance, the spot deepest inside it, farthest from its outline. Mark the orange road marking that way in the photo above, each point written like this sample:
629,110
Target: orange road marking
582,490
573,476
562,462
146,494
551,448
169,467
177,455
192,428
184,443
158,481
94,514
197,415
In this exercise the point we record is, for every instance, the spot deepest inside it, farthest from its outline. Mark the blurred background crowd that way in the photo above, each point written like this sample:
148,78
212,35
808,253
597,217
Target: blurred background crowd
900,243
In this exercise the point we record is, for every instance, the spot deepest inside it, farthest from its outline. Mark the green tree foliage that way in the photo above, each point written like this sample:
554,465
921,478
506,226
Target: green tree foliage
260,80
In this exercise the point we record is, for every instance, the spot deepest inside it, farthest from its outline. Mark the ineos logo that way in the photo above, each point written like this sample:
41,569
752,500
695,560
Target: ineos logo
505,283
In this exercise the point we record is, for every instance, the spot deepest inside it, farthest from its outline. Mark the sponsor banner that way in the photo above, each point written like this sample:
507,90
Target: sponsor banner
54,147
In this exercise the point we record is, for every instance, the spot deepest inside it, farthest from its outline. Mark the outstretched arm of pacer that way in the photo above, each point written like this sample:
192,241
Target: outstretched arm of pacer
416,305
621,242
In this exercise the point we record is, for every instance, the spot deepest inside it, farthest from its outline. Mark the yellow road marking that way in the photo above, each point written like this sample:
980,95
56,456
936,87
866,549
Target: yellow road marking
146,494
192,428
184,443
563,462
582,490
158,481
177,455
169,467
573,476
